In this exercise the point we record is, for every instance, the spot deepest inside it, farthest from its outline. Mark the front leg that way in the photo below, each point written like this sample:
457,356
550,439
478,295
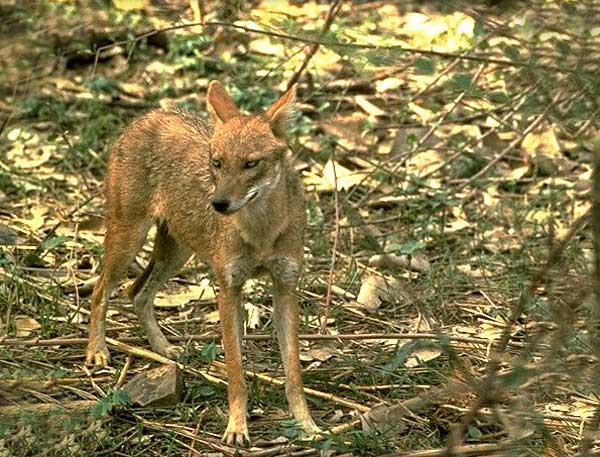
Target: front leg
237,392
285,316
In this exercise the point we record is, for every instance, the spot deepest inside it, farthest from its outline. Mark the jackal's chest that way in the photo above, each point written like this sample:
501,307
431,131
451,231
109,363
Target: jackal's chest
279,267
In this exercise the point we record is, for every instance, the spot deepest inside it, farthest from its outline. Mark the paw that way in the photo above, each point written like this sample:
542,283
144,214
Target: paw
97,356
236,434
310,429
169,350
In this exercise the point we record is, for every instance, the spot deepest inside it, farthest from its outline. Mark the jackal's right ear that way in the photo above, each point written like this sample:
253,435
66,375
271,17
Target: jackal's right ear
219,104
280,112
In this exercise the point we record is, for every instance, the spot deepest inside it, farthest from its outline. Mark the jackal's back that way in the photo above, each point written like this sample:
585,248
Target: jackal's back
159,167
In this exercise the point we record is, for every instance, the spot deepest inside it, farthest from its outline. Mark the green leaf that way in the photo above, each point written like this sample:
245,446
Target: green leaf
479,29
531,106
101,408
100,84
474,432
563,47
512,52
209,352
516,376
406,248
291,428
425,65
72,423
121,397
53,242
499,97
206,391
461,82
5,429
398,359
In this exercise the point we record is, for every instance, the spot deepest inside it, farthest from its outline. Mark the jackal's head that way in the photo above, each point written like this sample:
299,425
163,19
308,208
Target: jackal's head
246,151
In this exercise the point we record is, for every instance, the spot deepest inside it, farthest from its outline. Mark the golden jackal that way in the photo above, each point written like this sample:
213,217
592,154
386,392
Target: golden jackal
226,192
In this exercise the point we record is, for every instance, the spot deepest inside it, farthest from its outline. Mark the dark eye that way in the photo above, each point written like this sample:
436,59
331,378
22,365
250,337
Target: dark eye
216,163
250,164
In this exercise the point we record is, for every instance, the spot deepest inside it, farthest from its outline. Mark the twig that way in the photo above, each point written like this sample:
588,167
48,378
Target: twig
333,10
590,431
140,352
336,236
307,390
39,342
338,44
123,373
45,408
470,449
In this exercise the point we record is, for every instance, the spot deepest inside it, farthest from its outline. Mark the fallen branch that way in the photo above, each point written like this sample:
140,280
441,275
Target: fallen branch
333,10
470,449
338,44
39,342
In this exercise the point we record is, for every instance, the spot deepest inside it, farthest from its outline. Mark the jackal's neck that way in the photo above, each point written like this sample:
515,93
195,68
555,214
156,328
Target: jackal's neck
262,221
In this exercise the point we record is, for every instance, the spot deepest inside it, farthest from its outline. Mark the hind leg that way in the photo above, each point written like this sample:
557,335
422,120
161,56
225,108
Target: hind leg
168,257
121,244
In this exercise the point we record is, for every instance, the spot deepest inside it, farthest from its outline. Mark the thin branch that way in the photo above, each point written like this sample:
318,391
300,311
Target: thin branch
333,10
338,44
336,236
590,431
39,342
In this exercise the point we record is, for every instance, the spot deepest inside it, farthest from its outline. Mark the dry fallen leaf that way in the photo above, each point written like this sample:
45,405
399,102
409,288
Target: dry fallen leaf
422,353
130,5
371,109
253,315
544,142
344,177
25,325
375,289
416,261
203,291
348,129
320,354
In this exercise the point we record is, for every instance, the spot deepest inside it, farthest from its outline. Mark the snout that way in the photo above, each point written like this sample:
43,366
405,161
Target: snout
221,204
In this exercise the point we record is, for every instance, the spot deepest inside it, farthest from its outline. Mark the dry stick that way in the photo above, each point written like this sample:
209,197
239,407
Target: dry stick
307,390
336,44
213,443
140,352
336,236
588,436
333,10
472,449
38,342
45,408
123,373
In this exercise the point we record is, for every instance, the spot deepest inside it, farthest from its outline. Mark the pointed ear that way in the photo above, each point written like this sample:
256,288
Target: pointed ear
279,112
219,104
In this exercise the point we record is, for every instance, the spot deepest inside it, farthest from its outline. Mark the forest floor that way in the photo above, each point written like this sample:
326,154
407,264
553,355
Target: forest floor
448,292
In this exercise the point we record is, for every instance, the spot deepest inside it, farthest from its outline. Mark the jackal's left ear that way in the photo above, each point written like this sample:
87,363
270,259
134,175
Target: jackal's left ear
219,104
279,112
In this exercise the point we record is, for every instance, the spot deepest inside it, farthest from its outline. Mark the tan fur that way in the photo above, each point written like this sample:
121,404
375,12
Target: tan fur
162,170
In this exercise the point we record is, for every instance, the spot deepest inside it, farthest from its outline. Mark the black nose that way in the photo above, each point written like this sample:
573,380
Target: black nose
220,204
